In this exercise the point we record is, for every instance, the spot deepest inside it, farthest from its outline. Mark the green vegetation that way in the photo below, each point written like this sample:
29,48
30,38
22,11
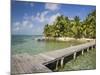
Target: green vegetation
83,62
64,27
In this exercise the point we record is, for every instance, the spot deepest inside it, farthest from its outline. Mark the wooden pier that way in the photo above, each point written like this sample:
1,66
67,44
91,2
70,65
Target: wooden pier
25,63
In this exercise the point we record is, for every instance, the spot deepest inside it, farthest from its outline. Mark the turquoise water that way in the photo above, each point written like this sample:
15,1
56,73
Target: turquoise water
27,44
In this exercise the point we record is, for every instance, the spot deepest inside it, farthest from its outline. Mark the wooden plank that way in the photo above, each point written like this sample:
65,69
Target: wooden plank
46,56
19,67
25,63
41,68
13,66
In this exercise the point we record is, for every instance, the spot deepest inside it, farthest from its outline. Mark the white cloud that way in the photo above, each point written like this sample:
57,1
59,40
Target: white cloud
16,29
32,18
16,23
38,14
31,25
22,25
53,18
25,23
29,22
51,6
16,26
41,17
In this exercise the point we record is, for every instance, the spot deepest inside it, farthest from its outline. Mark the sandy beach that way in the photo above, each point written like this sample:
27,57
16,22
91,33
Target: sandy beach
68,39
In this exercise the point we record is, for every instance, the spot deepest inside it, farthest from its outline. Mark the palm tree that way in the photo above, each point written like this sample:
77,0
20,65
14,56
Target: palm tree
90,25
77,27
63,27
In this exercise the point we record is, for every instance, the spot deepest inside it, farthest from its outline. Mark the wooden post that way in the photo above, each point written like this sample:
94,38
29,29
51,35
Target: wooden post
88,49
74,56
57,65
82,52
62,62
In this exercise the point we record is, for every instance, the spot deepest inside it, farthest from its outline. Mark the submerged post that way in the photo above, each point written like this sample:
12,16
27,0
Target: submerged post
74,56
57,65
62,62
82,52
88,49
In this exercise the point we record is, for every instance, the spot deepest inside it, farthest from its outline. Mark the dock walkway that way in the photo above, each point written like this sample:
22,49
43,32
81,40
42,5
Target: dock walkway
25,63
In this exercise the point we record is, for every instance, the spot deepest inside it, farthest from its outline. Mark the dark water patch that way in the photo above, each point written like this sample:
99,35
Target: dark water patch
78,53
51,65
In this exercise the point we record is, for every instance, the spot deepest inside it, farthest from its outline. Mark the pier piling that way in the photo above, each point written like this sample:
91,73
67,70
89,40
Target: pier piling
62,62
82,52
74,56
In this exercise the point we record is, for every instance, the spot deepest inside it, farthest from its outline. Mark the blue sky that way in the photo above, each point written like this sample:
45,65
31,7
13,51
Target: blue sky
29,18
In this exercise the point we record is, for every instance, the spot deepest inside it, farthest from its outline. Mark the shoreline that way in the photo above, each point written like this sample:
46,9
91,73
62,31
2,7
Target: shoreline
68,39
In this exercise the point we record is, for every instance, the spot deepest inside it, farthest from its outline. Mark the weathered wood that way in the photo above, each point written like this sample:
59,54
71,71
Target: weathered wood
62,62
74,55
57,64
25,63
82,52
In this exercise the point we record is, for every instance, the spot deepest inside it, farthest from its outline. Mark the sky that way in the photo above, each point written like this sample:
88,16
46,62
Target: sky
29,18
